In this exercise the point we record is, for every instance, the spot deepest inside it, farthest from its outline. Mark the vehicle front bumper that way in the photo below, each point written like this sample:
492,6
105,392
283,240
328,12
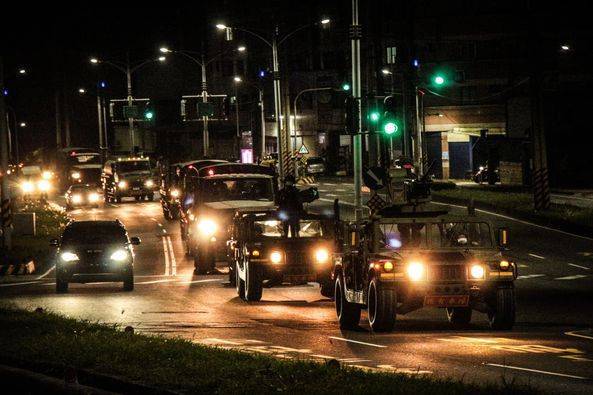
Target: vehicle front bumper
95,272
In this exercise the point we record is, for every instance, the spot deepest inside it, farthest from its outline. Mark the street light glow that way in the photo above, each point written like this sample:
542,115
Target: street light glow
565,47
22,71
439,80
94,60
237,79
164,50
325,21
346,87
162,58
81,90
386,72
221,26
242,48
23,124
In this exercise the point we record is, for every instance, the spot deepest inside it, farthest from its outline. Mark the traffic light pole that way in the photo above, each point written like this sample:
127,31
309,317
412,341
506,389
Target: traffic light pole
130,104
278,105
205,134
356,94
418,154
5,200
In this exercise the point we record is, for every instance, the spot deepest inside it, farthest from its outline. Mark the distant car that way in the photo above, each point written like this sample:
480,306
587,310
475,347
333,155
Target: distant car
82,195
94,251
315,165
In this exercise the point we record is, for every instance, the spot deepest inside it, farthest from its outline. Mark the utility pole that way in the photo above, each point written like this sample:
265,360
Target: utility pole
263,124
130,104
6,203
205,134
100,123
278,104
355,35
419,129
104,115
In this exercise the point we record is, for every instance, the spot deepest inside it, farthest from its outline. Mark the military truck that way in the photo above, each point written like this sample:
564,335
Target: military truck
128,177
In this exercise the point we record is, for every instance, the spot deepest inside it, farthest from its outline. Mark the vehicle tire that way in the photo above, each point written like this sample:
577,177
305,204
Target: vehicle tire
239,284
129,282
459,315
502,305
61,286
203,262
150,197
138,198
253,282
327,288
348,313
382,302
118,199
232,274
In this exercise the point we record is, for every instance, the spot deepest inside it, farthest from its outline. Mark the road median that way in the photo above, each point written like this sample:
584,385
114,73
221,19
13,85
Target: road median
55,344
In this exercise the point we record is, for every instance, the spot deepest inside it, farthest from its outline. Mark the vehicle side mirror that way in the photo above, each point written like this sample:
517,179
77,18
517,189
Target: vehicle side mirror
54,243
503,237
134,241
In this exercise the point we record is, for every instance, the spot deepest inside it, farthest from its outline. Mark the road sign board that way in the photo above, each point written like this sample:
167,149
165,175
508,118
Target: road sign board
375,178
205,109
303,150
130,111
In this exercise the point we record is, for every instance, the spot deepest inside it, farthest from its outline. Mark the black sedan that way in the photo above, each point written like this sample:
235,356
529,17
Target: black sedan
94,251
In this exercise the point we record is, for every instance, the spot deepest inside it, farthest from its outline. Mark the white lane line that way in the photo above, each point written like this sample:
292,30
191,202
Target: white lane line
527,276
51,269
519,221
168,280
322,190
357,342
210,280
172,256
576,334
537,256
576,277
166,253
329,184
331,194
339,190
580,267
496,365
15,284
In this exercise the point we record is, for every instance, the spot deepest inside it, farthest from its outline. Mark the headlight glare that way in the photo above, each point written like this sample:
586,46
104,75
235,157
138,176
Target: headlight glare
149,183
76,198
122,184
174,193
27,186
119,256
75,175
44,185
504,265
93,197
207,227
416,271
477,272
276,257
68,257
321,255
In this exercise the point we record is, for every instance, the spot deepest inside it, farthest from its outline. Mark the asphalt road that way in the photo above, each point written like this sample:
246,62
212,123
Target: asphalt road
551,346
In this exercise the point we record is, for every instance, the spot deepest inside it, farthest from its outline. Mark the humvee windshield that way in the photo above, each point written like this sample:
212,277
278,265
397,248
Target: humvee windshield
219,190
395,236
131,166
274,228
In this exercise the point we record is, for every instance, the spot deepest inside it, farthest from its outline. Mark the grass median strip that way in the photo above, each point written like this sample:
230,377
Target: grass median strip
181,365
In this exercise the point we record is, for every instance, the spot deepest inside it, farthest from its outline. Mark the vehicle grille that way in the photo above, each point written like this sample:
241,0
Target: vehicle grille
447,273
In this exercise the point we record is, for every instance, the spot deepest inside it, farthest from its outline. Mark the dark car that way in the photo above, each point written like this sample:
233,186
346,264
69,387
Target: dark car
260,250
315,165
83,195
94,251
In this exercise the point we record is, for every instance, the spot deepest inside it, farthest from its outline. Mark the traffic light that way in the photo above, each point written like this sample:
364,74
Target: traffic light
440,78
352,115
148,114
391,122
346,86
374,116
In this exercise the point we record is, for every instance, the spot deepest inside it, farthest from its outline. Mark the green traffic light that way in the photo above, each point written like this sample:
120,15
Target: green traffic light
148,115
374,116
439,80
390,128
346,87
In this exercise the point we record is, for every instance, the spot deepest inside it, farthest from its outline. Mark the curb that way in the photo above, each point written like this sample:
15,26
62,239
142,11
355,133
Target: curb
564,226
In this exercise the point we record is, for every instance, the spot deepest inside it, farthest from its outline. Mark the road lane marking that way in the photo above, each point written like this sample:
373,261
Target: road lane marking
167,280
527,276
580,267
15,284
537,256
357,342
496,365
209,280
576,277
576,334
331,194
172,257
166,253
51,269
519,221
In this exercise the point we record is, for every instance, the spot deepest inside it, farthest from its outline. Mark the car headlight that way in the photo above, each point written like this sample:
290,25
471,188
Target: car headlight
207,227
93,197
122,184
44,185
68,257
119,256
321,255
149,183
76,198
416,271
477,272
46,175
75,175
504,265
276,257
174,193
27,186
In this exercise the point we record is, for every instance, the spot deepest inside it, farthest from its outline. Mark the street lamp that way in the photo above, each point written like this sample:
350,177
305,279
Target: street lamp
565,47
82,91
22,71
274,43
128,69
237,79
386,71
23,124
198,58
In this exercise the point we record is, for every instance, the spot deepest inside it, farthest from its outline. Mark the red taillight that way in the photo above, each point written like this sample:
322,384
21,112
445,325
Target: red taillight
210,172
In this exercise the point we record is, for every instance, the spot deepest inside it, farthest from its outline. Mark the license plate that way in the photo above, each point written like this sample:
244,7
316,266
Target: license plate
446,300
